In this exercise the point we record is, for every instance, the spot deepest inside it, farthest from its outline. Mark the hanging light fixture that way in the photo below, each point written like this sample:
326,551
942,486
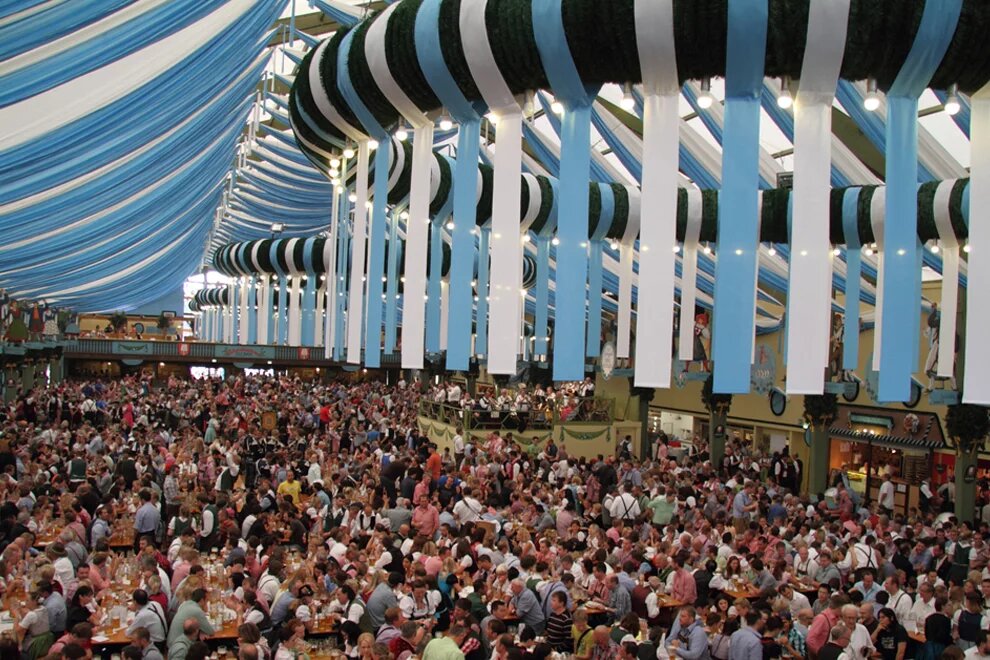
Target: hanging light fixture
705,100
348,152
952,105
872,100
557,108
785,100
529,107
627,102
335,163
401,133
445,123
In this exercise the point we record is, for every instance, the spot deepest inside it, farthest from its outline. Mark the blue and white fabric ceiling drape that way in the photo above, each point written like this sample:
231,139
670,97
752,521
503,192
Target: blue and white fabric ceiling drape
121,121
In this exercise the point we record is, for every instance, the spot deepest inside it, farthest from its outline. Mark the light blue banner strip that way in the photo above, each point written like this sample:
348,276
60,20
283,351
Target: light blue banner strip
308,330
854,261
253,311
900,331
433,286
481,320
739,215
572,222
460,297
542,293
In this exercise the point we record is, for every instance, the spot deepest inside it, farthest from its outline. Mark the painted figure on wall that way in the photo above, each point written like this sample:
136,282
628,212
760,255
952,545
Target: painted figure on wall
36,322
51,322
835,346
702,340
17,330
5,314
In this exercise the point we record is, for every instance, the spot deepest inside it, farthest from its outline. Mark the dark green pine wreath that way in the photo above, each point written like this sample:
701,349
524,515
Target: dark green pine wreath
712,401
820,409
968,425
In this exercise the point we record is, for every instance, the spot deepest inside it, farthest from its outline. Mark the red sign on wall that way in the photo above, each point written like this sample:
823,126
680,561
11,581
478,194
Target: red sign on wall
303,353
184,349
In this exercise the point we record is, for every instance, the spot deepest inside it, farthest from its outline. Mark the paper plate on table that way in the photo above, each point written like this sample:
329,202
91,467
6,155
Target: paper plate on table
99,639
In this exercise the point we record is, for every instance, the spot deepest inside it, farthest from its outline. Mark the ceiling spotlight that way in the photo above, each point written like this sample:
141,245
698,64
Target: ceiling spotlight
445,123
450,226
836,252
627,102
772,251
934,248
334,163
705,99
404,215
868,251
614,245
555,241
677,248
707,249
785,100
952,105
401,133
525,238
334,173
348,152
872,100
966,247
557,108
372,144
352,198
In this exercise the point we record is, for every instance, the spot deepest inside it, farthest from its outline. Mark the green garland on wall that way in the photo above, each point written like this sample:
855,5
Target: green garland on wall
586,435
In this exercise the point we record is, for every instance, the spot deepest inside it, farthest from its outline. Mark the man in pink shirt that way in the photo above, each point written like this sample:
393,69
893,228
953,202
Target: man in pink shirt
823,623
684,588
425,518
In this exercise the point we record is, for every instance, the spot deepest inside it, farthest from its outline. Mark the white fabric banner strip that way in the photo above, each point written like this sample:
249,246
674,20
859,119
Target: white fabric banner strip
355,296
330,258
627,255
689,274
809,311
228,313
264,307
658,227
417,232
242,329
506,246
295,313
976,385
950,279
878,208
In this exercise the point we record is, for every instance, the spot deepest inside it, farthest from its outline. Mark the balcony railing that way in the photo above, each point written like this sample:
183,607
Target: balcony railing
523,417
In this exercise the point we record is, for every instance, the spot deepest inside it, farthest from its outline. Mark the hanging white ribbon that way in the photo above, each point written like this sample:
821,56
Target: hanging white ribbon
330,258
976,385
627,256
689,274
322,99
264,311
355,296
950,279
658,227
244,287
809,311
295,313
228,313
417,230
878,207
506,248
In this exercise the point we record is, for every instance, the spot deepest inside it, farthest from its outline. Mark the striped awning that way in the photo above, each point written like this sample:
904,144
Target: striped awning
902,441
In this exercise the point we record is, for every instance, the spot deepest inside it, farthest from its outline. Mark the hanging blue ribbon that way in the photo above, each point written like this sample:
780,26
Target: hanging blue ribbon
481,320
392,286
854,260
433,286
376,241
575,156
431,61
899,338
738,213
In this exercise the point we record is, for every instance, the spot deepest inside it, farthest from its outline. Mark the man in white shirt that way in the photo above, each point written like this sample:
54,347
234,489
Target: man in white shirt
923,607
860,644
458,441
625,506
899,601
887,496
982,649
468,509
804,565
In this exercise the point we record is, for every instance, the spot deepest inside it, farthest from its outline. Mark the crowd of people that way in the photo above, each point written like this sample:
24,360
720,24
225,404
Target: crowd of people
285,519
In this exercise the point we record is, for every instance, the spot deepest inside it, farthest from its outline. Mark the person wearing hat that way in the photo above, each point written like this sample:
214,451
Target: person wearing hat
64,572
